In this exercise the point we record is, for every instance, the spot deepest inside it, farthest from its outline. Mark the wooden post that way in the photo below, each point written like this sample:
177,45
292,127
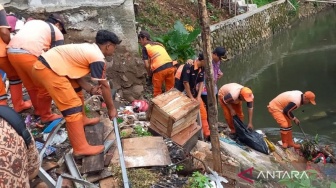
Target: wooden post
94,163
212,103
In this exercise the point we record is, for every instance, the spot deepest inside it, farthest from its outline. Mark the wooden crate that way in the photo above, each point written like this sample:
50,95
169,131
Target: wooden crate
171,112
188,137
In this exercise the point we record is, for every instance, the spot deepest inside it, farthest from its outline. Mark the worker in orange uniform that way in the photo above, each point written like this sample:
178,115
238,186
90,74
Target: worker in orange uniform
15,84
190,78
281,108
230,98
158,63
56,70
33,39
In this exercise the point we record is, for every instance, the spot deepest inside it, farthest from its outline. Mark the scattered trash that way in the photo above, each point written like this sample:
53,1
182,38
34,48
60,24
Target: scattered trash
217,179
140,106
59,138
28,120
48,151
50,127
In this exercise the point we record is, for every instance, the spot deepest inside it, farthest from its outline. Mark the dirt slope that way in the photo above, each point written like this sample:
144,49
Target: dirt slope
159,16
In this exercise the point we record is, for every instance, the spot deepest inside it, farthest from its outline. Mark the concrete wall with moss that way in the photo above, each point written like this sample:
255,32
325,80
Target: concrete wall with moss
244,31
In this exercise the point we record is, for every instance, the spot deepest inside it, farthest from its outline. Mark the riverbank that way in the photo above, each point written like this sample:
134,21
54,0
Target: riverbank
245,31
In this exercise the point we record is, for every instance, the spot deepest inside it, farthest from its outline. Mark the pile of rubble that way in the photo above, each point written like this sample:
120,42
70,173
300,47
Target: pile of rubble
160,148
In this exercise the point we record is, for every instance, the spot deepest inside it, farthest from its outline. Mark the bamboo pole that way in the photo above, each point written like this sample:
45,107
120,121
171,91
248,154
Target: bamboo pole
212,104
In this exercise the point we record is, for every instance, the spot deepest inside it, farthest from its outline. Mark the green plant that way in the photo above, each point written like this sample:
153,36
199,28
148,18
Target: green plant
122,134
86,109
179,167
295,3
199,180
179,42
262,2
312,180
140,131
316,139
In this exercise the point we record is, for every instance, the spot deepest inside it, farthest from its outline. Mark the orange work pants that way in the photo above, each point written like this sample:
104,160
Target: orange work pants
11,75
204,119
238,108
166,76
61,91
3,93
23,64
280,118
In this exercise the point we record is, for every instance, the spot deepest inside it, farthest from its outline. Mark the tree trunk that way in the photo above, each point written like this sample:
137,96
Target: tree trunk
212,103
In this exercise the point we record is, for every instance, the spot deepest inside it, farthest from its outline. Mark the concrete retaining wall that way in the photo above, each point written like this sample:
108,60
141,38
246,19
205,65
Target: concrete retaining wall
244,31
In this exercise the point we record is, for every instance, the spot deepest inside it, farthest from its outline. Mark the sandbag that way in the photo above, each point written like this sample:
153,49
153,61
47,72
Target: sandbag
249,137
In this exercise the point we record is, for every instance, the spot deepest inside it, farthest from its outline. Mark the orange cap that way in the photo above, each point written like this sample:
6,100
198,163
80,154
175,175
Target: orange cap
247,94
310,96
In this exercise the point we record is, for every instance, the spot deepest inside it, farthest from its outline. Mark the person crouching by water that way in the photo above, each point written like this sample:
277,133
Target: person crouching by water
230,97
282,107
190,78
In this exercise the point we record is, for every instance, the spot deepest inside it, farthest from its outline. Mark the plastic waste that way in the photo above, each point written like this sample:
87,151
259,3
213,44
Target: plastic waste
249,137
59,137
216,179
140,106
48,151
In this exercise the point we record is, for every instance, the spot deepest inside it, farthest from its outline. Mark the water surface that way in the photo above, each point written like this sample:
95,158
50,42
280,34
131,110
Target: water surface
301,58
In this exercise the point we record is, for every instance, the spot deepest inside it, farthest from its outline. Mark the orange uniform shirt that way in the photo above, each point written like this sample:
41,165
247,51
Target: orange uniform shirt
3,24
35,37
283,99
77,60
157,54
233,89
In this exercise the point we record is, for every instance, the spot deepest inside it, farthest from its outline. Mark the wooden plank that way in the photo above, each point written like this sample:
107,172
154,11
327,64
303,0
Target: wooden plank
179,105
94,136
109,182
161,127
185,110
176,104
172,102
188,137
145,151
108,127
185,124
191,115
170,127
49,165
156,132
165,98
109,155
104,174
159,114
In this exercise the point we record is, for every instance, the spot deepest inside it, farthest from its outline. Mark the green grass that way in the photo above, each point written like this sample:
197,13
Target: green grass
262,2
